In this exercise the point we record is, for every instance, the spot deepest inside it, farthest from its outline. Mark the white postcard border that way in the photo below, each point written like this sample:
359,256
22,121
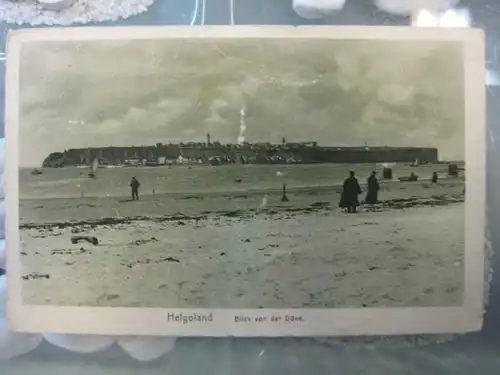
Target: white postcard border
316,322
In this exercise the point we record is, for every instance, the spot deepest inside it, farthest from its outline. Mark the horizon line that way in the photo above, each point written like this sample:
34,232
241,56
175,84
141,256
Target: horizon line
193,143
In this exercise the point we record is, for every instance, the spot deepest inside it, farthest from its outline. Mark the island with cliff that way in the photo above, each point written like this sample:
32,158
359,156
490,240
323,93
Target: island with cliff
217,153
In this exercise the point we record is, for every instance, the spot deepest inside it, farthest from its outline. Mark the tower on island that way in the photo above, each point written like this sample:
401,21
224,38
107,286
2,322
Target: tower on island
208,138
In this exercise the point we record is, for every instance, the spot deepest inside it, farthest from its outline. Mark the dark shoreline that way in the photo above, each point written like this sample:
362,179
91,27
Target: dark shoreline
394,204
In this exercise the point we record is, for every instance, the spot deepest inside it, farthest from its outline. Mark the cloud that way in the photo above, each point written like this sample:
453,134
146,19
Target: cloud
396,94
334,92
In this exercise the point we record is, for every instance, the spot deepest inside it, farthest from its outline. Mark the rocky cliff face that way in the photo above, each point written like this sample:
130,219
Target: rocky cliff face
54,160
258,155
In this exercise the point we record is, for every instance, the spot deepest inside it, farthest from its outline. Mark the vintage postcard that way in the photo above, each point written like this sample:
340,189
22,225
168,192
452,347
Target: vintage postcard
245,181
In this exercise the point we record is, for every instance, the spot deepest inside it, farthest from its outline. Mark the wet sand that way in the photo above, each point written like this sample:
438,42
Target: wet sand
247,251
200,203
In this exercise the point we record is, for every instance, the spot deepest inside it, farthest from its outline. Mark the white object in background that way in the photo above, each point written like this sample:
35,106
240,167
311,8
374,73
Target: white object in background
13,344
492,78
80,343
314,9
424,18
408,7
455,18
144,348
450,18
56,4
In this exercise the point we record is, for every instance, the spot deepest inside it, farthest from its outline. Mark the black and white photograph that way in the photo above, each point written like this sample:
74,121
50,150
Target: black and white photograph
243,173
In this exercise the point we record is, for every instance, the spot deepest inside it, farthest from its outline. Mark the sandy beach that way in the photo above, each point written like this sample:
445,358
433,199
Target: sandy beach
234,249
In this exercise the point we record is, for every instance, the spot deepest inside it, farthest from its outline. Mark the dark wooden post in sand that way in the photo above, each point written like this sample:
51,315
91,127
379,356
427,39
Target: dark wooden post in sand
453,170
387,173
284,198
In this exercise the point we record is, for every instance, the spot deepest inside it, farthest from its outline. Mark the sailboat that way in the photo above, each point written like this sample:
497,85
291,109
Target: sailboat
93,167
416,163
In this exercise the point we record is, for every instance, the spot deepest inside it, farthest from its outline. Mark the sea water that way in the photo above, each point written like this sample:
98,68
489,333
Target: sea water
72,182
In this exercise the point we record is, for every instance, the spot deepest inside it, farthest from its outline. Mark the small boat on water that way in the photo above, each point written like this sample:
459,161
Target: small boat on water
411,177
416,163
152,163
36,172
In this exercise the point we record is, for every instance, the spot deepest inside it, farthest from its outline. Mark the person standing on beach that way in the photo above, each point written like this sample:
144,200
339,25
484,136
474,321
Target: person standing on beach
373,188
434,177
351,190
134,186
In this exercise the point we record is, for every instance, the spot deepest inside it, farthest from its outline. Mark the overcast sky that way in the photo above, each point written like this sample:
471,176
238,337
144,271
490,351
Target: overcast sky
335,92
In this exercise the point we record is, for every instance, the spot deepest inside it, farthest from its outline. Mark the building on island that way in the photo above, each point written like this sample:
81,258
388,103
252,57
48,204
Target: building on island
216,153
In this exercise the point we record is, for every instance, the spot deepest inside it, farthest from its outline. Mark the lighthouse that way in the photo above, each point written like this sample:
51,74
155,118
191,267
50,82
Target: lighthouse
208,139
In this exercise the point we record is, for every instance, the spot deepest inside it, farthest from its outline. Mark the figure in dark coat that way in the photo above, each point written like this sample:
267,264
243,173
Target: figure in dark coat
373,188
434,177
134,186
350,192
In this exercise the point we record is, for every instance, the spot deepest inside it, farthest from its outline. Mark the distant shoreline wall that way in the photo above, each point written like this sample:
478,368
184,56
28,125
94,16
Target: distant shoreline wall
246,154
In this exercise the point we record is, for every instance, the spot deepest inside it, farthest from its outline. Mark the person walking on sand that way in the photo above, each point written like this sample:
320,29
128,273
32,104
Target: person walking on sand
134,186
373,188
351,190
